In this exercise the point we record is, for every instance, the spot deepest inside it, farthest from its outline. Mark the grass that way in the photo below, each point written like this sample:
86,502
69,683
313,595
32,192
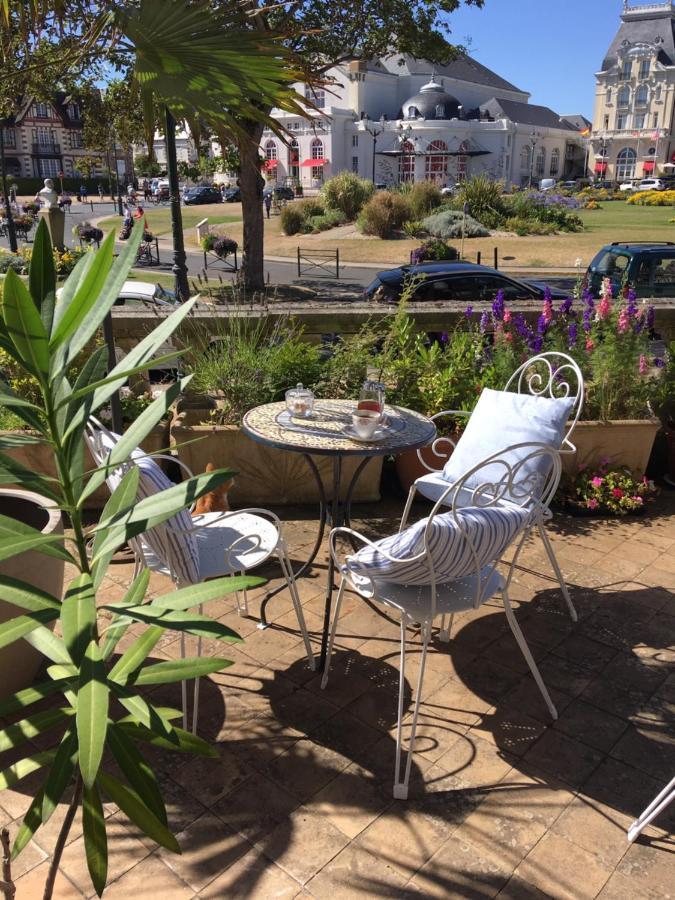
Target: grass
159,219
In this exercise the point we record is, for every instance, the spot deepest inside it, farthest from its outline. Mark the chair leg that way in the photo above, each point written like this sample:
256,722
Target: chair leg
401,787
408,504
333,631
285,564
658,804
444,633
556,568
183,684
522,643
195,696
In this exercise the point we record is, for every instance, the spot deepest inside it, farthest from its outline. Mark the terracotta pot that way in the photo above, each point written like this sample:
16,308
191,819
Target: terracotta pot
266,475
625,442
19,662
409,467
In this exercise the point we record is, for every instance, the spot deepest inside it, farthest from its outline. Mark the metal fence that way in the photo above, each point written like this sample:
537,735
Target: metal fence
319,263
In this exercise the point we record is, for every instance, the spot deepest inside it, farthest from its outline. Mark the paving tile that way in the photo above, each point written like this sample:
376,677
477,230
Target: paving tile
303,844
460,871
563,757
509,729
516,888
475,762
590,725
255,807
626,789
208,779
650,748
306,768
652,863
595,827
354,873
351,801
347,735
150,879
31,885
621,888
563,869
253,877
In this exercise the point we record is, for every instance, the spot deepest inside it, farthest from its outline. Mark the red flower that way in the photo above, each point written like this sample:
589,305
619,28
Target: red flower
617,492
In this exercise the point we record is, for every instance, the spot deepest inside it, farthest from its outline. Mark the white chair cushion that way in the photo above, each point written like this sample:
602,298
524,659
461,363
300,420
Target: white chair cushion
500,420
252,539
488,531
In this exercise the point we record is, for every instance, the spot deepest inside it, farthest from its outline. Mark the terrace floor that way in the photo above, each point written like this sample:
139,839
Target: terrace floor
503,801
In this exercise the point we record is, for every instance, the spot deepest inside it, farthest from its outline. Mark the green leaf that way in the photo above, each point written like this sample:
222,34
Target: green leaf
22,699
30,727
50,646
95,839
178,620
167,713
14,472
23,767
22,408
92,713
135,655
184,741
131,804
121,498
78,616
20,626
77,413
25,595
119,624
142,710
213,589
42,274
8,440
15,538
24,325
179,670
137,771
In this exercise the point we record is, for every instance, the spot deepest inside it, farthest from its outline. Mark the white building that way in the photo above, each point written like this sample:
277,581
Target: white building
411,122
186,149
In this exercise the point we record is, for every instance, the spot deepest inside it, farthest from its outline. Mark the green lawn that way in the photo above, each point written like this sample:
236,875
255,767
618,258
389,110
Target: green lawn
159,218
630,221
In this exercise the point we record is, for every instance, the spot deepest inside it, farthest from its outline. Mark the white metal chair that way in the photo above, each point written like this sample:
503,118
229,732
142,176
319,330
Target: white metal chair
190,549
658,804
551,375
447,563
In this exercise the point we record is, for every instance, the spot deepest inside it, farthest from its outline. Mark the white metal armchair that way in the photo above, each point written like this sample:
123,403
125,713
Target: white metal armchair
447,563
513,415
190,549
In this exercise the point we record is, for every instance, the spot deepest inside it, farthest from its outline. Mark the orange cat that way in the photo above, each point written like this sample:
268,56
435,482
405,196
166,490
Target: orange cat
214,501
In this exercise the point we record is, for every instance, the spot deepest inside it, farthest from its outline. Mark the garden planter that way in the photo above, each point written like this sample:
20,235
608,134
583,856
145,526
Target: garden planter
266,475
409,467
625,442
669,431
19,662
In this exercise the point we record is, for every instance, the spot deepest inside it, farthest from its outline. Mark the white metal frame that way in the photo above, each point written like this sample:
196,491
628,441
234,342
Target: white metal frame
658,804
100,453
517,486
553,375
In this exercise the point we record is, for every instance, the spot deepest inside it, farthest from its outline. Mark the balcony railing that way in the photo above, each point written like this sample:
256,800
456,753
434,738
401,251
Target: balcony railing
46,149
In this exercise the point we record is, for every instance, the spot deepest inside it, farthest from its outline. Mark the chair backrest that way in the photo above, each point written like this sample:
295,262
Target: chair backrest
170,541
554,375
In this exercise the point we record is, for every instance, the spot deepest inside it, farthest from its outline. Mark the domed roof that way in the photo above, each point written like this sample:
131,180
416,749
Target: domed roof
432,102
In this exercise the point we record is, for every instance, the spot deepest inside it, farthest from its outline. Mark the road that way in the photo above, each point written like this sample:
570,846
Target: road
350,284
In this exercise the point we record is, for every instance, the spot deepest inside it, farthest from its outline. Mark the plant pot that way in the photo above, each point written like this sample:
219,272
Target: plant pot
159,439
625,442
669,431
19,662
265,475
409,467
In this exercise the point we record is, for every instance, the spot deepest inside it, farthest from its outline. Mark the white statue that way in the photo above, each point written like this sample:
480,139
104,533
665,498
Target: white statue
48,195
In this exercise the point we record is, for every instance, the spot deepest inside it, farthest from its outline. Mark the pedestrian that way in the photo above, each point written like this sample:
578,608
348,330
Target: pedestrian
147,193
267,200
83,193
100,191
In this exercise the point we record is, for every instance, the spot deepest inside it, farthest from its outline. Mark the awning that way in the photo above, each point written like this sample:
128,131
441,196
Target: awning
648,166
600,168
271,163
315,162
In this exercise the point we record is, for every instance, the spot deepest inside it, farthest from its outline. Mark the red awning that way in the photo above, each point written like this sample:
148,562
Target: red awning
315,162
648,166
600,168
271,163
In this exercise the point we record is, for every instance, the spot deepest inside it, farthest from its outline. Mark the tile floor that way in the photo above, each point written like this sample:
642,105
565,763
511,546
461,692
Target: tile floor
503,801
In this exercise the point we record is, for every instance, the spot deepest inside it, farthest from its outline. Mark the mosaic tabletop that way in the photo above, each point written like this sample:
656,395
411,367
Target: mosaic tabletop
327,431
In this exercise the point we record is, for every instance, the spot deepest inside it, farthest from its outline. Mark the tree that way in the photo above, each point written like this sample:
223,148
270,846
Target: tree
147,165
323,35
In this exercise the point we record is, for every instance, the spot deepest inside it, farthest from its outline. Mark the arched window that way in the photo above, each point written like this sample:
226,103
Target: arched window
435,168
412,112
407,162
642,95
623,97
270,150
608,95
540,162
645,65
316,152
525,159
625,163
554,168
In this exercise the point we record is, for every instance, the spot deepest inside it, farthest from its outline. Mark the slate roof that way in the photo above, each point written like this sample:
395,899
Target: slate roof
464,68
647,27
526,113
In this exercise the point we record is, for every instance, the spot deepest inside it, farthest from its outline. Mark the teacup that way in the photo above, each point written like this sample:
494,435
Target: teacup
365,422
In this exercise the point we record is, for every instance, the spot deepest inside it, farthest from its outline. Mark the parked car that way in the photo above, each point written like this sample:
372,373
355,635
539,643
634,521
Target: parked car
569,185
161,189
628,186
279,192
138,294
449,189
199,195
649,268
547,184
463,282
232,195
651,184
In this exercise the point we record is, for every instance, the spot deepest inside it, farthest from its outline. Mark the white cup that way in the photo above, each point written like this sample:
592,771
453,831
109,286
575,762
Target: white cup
365,422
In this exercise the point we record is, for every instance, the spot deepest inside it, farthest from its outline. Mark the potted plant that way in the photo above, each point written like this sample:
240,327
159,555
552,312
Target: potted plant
606,491
92,730
664,407
88,233
219,244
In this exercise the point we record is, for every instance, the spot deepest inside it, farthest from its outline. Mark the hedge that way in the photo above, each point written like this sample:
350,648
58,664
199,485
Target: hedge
28,187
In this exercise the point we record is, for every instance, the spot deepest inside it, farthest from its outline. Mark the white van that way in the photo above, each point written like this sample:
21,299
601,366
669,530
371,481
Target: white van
547,184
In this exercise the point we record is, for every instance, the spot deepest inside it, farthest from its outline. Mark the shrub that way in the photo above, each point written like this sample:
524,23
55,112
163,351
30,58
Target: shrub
433,250
484,199
383,214
312,206
652,198
523,226
412,228
347,193
223,246
449,223
423,199
292,218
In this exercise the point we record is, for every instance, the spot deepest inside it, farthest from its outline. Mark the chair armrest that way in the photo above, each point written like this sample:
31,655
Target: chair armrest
439,442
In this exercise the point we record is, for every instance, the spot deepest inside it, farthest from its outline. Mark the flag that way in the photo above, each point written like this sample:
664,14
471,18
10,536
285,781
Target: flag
585,131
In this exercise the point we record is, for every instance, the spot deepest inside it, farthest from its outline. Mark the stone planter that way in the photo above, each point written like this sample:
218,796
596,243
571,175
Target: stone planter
19,662
266,476
626,442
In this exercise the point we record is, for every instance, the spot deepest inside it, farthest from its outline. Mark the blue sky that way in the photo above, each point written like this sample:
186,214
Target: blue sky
550,49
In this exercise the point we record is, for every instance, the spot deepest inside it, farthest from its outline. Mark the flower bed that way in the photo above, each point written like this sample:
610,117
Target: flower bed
605,491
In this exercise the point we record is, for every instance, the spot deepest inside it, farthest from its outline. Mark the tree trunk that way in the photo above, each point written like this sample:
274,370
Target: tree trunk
251,185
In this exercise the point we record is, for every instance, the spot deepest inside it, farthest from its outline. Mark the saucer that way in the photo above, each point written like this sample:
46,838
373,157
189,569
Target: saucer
379,434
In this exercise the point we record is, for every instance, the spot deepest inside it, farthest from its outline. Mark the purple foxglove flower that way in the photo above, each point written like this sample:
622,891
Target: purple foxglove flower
484,321
566,306
498,305
572,334
468,312
651,314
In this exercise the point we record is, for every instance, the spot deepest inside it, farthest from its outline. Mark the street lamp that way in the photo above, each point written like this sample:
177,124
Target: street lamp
374,132
534,140
405,134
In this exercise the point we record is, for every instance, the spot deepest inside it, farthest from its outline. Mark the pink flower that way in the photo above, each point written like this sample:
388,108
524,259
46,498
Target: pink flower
623,323
592,503
589,344
582,467
643,367
507,316
617,492
604,308
637,499
597,481
547,311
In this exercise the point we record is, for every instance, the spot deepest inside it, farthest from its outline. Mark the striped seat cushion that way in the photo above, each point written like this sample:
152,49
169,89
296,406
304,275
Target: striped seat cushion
489,531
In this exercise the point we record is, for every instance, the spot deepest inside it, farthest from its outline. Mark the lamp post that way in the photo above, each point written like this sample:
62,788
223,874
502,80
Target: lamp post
179,268
404,136
534,140
374,132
